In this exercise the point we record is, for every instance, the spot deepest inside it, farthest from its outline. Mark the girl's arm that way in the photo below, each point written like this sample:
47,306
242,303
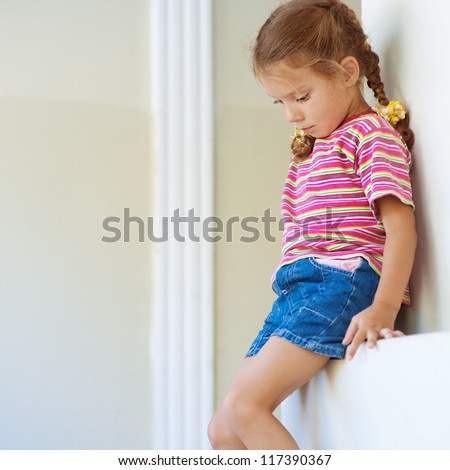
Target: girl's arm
377,321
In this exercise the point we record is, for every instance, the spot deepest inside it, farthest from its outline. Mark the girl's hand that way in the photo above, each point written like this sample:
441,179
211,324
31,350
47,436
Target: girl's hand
377,321
374,323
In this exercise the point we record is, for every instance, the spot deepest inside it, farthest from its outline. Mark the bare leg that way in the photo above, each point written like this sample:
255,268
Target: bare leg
246,418
220,434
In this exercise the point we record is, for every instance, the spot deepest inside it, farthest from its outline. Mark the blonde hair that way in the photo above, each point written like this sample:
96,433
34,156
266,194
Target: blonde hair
319,34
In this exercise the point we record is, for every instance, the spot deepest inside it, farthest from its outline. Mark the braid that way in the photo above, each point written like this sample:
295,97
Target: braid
302,145
373,75
404,130
372,72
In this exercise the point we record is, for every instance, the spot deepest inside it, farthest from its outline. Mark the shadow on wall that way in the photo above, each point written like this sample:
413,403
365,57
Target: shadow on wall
412,319
423,280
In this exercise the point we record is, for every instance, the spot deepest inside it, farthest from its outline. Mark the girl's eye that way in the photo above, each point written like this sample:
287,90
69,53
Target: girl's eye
298,100
303,98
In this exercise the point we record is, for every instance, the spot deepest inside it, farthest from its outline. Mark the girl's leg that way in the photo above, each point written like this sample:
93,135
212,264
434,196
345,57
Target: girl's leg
220,434
246,418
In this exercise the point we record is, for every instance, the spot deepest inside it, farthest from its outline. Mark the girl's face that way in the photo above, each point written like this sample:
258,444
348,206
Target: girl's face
313,102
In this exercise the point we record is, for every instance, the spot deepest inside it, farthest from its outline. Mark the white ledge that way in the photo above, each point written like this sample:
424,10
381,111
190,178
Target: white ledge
396,396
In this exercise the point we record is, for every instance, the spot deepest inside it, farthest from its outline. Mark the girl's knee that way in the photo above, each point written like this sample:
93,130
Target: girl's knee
225,426
214,432
219,432
240,411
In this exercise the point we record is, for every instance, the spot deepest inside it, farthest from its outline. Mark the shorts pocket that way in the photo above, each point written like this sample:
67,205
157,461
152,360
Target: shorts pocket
308,322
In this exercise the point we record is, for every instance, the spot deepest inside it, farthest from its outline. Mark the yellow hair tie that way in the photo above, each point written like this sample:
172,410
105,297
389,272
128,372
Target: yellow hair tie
298,135
395,111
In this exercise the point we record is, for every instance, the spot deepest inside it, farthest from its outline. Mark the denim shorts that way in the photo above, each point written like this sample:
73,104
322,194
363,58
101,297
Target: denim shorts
315,305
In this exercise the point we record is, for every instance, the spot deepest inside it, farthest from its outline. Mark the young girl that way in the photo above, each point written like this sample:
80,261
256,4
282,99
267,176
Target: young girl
349,231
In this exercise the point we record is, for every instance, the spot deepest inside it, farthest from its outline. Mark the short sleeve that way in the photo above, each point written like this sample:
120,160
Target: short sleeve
384,163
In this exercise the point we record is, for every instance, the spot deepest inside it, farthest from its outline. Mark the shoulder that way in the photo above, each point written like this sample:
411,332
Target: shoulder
367,126
354,135
379,143
371,134
373,128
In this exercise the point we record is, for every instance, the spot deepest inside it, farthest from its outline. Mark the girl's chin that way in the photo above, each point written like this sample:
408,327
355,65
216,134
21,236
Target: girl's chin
313,131
318,134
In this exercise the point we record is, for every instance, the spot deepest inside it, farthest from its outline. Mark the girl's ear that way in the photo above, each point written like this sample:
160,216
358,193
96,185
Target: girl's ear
350,67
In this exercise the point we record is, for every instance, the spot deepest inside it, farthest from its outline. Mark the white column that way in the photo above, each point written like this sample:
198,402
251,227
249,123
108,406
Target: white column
182,329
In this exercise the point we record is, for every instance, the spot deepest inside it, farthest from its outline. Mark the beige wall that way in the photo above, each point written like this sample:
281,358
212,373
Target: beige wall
74,149
252,157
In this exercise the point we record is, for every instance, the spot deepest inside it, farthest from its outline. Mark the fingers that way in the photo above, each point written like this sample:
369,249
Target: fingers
398,333
355,344
387,333
372,337
350,333
355,337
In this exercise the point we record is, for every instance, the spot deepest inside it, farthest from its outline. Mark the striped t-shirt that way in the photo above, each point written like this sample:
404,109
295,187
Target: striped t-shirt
329,199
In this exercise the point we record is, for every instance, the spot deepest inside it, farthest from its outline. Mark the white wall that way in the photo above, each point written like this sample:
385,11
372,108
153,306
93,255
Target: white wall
410,41
394,397
74,149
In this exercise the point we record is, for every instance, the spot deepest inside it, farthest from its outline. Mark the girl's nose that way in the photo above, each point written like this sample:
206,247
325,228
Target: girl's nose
293,114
